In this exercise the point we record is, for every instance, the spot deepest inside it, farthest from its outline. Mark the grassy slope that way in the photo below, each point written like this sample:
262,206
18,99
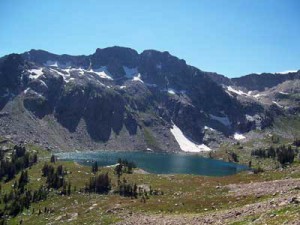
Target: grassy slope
182,194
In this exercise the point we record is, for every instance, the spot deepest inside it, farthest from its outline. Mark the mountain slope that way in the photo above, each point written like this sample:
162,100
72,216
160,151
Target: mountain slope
118,99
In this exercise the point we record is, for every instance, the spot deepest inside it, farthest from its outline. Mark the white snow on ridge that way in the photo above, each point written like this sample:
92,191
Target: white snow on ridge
132,73
238,136
138,78
283,93
257,95
60,73
171,91
228,92
35,73
102,72
276,103
79,70
33,92
239,92
185,144
224,120
174,91
66,76
43,83
26,90
208,128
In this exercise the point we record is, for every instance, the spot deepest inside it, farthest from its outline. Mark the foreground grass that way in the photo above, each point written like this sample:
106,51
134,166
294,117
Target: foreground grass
182,194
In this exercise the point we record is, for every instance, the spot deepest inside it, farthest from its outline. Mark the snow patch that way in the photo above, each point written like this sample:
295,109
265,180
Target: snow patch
67,81
208,128
229,93
122,87
138,78
185,144
224,120
102,72
249,118
238,136
283,93
33,92
60,73
239,92
66,76
26,90
257,95
79,70
35,73
276,103
171,91
43,83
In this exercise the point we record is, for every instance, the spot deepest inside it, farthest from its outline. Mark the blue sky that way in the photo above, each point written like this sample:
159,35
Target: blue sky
231,37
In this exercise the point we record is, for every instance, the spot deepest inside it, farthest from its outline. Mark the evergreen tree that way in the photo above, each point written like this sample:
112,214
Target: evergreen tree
53,159
95,167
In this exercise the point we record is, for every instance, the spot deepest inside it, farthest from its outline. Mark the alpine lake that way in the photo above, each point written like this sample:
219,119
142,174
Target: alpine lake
157,163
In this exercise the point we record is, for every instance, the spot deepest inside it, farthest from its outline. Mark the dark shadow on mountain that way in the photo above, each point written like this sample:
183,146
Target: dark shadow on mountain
11,67
70,108
117,121
130,124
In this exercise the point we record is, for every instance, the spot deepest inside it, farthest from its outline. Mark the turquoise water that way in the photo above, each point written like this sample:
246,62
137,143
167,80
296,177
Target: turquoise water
159,163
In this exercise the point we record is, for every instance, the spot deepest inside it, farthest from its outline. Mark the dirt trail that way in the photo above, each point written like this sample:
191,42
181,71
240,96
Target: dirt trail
284,192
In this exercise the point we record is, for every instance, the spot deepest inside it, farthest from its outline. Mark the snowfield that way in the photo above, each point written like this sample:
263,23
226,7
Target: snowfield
171,91
138,78
238,136
185,144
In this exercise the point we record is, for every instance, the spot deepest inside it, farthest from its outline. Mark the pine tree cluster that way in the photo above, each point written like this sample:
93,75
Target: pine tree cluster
20,159
283,154
124,167
100,184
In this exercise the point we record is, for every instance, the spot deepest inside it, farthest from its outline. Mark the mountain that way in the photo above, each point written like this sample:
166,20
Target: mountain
118,99
281,89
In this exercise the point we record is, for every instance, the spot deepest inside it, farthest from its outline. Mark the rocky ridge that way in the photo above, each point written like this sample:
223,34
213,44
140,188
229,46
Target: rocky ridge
118,99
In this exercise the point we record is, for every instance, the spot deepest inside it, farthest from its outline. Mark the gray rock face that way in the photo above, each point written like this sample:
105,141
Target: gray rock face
117,99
